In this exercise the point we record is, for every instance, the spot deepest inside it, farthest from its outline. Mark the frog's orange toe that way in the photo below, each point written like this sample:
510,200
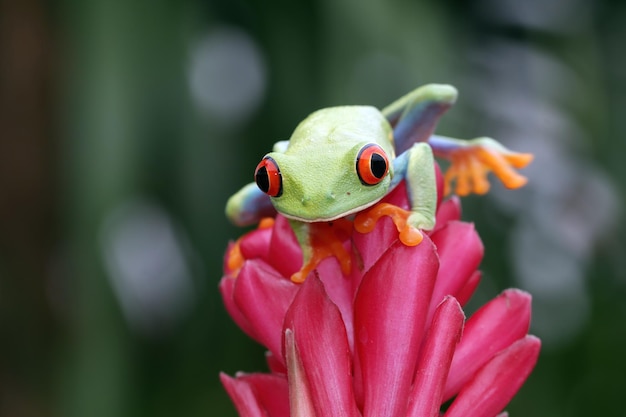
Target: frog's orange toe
300,276
471,165
519,160
366,220
234,259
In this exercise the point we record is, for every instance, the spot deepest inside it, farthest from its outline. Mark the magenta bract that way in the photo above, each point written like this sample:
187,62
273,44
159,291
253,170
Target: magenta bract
389,339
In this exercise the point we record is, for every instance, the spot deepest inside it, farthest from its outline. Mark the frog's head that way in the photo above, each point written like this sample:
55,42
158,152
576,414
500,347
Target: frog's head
338,162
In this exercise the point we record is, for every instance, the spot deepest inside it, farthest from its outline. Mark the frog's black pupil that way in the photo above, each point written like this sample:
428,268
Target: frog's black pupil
262,179
378,165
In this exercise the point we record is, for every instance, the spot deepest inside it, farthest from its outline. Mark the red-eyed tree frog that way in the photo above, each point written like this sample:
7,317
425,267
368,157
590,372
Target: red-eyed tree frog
340,161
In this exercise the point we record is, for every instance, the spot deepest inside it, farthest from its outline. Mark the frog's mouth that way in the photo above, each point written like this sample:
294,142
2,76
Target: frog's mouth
331,217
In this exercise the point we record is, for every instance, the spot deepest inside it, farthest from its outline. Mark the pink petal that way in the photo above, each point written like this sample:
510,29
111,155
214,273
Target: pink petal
339,289
449,210
284,252
468,289
495,384
275,365
492,328
255,245
398,196
226,287
371,246
271,392
263,297
258,395
435,358
460,252
390,313
243,397
322,346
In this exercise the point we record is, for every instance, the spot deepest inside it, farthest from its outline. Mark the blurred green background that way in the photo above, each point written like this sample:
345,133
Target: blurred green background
125,125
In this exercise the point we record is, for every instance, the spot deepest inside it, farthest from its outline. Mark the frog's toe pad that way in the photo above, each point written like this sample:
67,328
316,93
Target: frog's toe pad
366,220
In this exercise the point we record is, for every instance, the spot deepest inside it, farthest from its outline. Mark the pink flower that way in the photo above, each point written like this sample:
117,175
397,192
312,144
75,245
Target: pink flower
390,339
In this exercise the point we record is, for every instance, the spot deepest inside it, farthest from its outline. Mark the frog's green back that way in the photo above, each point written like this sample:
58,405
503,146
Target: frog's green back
340,128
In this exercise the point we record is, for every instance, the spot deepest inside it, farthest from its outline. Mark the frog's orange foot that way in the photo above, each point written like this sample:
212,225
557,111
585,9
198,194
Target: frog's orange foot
326,240
366,220
471,164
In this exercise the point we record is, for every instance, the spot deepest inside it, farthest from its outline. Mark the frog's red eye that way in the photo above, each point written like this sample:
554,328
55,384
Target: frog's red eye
268,178
371,164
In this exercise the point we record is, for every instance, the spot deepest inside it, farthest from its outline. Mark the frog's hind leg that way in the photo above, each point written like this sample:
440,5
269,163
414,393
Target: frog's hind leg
414,116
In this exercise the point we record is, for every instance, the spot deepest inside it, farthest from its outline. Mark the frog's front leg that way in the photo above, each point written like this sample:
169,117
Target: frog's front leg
320,240
417,167
472,160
